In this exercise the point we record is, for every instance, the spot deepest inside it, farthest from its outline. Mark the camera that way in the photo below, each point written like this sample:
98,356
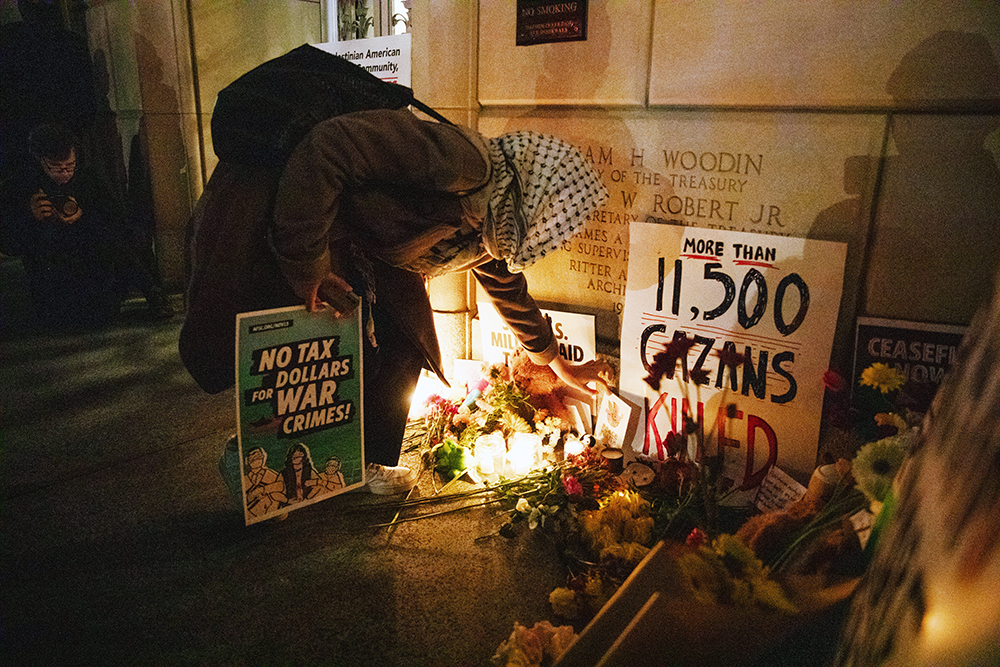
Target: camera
65,204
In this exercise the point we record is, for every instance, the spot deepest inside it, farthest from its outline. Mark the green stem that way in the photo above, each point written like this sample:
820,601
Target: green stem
680,508
433,514
836,509
452,481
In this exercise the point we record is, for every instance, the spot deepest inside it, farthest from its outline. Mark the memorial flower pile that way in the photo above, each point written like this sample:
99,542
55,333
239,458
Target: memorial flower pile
553,496
519,398
605,522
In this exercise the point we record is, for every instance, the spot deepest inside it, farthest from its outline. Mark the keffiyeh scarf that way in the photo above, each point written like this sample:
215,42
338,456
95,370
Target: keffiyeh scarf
544,193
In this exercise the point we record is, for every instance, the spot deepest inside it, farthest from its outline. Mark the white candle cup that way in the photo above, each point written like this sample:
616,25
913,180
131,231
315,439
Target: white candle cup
572,447
520,461
525,449
490,451
529,441
485,464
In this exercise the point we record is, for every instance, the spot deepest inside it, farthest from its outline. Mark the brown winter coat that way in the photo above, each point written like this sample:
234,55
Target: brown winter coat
389,183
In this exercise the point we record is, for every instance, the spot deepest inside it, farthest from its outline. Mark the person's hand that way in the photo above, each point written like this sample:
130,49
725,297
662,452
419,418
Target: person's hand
331,290
41,207
579,375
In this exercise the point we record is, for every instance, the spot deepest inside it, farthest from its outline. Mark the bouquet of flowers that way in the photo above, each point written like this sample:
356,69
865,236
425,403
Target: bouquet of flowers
689,486
725,570
519,398
539,645
554,495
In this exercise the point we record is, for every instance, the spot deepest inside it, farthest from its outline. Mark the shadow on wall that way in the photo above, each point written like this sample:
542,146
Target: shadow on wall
107,135
930,251
46,76
561,78
161,145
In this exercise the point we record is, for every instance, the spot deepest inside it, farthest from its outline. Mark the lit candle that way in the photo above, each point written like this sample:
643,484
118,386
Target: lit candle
572,447
490,452
524,450
520,461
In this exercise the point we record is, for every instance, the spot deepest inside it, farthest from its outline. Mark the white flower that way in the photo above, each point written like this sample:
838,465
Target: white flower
876,464
522,505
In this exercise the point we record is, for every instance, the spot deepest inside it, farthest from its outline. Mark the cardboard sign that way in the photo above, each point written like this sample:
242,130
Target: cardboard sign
613,420
923,352
771,299
387,57
298,409
575,333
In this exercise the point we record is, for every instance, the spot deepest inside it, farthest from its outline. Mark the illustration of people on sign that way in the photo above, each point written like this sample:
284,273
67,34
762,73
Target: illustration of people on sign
264,488
331,478
300,479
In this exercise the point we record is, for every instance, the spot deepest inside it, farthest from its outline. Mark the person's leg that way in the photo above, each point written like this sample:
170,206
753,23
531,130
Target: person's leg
391,373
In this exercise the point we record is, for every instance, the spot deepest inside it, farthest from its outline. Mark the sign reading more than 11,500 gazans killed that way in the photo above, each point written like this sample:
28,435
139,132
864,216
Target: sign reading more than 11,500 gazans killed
773,301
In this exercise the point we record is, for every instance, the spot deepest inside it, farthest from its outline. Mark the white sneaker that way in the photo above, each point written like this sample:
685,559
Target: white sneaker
389,480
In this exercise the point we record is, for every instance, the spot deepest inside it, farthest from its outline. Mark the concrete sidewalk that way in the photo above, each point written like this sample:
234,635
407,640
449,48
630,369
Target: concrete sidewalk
119,544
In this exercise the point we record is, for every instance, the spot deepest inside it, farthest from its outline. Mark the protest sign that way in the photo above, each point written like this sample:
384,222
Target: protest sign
772,300
922,352
386,57
298,406
574,332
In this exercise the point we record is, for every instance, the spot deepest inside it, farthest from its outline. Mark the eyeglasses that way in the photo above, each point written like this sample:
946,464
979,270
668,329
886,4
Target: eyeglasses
60,167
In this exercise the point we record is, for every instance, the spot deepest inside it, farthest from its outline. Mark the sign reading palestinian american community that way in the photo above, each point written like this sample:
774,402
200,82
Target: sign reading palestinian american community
768,304
298,408
386,57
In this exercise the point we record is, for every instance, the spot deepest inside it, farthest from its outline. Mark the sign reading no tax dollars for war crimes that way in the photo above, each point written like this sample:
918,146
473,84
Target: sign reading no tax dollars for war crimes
773,301
299,421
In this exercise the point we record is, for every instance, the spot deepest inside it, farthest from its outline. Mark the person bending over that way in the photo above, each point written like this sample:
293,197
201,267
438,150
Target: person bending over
368,205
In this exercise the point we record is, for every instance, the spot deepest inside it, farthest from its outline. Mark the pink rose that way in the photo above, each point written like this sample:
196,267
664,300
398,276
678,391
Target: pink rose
572,486
696,538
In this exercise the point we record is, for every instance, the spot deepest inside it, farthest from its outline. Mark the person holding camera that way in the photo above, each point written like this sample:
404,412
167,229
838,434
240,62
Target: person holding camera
61,219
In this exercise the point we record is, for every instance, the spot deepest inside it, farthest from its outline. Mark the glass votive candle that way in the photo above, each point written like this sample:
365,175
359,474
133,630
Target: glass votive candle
524,449
491,449
572,446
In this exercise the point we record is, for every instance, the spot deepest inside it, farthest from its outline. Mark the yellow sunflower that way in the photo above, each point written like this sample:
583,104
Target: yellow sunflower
883,377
